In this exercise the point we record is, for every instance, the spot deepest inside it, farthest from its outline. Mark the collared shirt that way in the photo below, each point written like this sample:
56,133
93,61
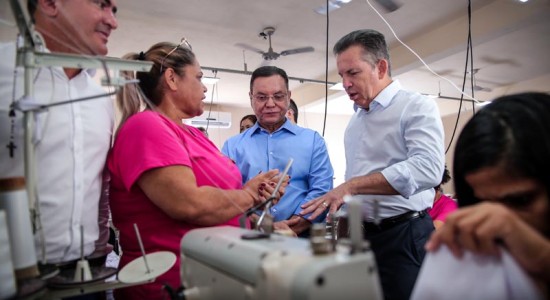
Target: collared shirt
146,141
71,142
311,174
401,136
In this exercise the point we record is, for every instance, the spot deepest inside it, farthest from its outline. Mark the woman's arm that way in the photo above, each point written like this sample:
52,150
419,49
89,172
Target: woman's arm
174,190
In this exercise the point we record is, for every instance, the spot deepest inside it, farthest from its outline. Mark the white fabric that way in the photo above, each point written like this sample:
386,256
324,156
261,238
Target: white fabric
472,277
401,135
71,144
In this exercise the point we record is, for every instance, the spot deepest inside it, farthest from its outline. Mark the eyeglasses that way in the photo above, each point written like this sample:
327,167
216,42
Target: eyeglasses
263,98
183,42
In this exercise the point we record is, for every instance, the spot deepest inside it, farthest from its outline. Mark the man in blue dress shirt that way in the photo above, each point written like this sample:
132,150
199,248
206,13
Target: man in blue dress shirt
272,141
394,154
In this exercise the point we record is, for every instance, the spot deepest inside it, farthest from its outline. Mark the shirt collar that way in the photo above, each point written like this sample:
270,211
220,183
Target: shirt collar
385,97
91,72
287,125
252,130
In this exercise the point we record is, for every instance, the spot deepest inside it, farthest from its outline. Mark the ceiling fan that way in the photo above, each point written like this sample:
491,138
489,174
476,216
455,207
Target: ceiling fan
270,54
477,87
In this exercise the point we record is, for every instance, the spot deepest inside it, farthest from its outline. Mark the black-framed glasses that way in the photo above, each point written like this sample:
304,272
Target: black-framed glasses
279,97
184,42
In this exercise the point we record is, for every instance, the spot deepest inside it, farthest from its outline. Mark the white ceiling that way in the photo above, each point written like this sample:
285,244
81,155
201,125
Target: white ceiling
511,40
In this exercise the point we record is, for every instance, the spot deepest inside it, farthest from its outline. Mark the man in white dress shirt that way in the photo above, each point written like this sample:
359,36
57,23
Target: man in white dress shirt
394,155
71,141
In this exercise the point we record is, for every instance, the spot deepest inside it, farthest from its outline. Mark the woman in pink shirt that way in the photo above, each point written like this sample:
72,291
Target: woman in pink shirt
167,177
443,205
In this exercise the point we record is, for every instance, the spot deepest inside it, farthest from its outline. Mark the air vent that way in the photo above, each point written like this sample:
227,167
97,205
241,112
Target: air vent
212,119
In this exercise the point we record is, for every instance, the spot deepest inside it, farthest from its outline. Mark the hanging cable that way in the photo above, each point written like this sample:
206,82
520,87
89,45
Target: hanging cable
214,90
468,54
418,56
472,81
326,73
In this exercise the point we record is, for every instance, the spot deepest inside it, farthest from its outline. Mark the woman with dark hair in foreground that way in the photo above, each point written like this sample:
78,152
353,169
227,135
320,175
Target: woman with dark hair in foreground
502,182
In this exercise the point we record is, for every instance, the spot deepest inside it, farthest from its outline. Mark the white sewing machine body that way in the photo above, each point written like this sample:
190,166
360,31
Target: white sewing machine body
217,263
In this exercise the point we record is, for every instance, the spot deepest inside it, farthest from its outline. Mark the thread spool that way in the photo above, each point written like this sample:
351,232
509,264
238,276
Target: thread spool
82,272
8,286
14,200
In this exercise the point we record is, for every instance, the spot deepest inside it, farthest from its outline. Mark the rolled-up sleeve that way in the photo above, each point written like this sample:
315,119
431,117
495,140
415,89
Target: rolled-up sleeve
423,135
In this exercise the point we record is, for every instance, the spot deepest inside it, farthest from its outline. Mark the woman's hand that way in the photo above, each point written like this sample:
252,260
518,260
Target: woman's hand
266,189
476,228
257,187
483,227
269,188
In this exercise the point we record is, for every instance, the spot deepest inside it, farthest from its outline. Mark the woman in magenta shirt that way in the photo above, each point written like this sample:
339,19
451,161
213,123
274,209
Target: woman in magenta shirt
167,177
443,205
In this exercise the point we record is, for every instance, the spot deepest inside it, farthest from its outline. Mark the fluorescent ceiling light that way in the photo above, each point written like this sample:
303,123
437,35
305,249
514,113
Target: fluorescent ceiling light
337,87
483,103
431,96
332,5
210,80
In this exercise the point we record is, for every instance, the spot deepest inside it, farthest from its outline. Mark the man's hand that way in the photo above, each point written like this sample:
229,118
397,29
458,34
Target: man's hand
333,200
283,228
297,223
372,184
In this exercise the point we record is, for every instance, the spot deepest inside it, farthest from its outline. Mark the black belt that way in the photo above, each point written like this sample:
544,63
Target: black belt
392,221
93,262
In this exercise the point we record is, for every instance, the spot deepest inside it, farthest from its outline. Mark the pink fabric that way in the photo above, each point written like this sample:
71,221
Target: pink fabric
149,140
442,208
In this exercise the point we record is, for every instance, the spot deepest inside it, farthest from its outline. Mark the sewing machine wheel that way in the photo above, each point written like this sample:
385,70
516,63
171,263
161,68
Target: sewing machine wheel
136,271
65,278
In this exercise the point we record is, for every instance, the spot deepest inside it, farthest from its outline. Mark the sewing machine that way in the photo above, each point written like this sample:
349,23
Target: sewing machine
229,262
